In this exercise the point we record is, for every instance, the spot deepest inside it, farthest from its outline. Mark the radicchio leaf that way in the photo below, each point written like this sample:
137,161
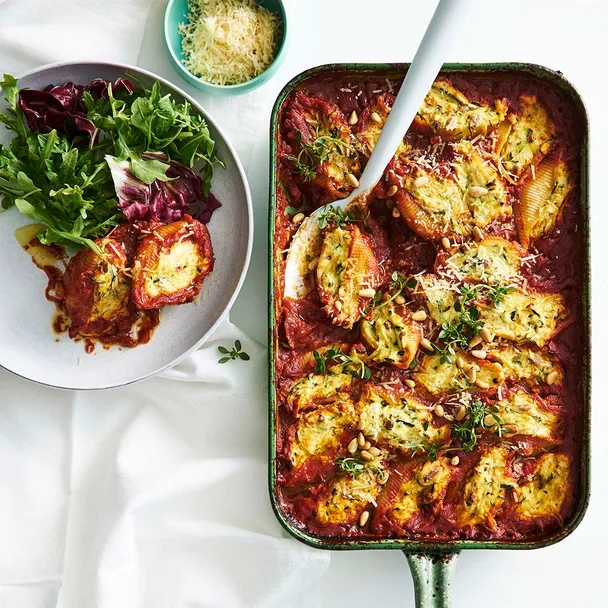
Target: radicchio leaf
61,108
162,201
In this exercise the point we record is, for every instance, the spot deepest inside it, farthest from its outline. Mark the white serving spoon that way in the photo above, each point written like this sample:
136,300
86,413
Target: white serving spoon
421,74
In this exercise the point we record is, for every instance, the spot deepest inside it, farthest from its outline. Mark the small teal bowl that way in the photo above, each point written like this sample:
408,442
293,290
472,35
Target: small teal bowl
176,12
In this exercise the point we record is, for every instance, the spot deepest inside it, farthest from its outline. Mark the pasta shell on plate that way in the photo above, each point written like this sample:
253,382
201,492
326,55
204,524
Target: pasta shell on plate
347,274
171,264
97,287
542,198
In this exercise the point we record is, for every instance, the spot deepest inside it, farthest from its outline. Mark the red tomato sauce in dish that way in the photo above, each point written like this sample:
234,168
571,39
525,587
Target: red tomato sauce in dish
450,407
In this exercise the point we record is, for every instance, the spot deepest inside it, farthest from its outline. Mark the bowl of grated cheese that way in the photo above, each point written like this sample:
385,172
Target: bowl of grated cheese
225,46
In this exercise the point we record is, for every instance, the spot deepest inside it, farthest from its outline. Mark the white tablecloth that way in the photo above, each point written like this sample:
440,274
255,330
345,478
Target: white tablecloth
138,498
153,495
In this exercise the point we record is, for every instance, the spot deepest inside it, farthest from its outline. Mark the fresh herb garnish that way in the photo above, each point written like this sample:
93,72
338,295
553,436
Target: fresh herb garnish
497,293
430,449
353,466
61,178
475,421
465,326
235,353
337,217
397,284
358,367
316,151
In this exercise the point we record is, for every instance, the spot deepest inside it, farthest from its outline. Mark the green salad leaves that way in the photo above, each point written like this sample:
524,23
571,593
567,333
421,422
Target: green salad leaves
65,182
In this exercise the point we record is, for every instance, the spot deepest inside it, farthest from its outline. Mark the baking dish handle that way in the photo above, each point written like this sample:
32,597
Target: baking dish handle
432,574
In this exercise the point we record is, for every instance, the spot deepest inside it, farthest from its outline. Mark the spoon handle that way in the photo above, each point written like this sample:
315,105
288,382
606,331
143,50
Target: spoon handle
420,76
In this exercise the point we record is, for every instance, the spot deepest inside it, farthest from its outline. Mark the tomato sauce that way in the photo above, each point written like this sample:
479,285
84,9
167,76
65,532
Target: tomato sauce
554,263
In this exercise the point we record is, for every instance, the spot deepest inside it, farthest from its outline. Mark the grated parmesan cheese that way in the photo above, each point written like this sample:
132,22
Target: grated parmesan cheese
228,42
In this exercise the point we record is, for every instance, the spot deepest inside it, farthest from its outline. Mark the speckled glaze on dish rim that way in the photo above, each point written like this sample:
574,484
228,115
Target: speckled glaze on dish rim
433,563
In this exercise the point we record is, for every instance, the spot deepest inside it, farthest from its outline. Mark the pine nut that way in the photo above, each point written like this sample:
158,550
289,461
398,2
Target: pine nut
479,354
445,241
409,383
552,377
477,233
486,334
338,305
375,117
353,119
361,427
298,217
489,421
426,344
461,412
368,292
419,315
367,445
475,341
396,212
366,456
481,384
361,439
439,411
423,180
363,518
352,446
352,180
374,451
472,375
399,299
313,263
392,190
460,362
477,191
455,461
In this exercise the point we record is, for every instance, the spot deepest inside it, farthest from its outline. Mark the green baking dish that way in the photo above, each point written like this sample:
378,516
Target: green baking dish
433,563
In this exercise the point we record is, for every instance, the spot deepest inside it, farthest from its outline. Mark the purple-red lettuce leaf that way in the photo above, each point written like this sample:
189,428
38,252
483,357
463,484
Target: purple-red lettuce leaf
61,107
163,201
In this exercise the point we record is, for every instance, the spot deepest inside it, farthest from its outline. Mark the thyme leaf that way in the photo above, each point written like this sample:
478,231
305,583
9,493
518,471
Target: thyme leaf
234,353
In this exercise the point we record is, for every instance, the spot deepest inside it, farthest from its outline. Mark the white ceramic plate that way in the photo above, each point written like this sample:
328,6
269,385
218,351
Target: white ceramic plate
28,345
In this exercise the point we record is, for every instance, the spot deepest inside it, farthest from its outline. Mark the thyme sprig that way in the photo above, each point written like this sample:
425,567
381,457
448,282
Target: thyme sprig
466,325
317,150
475,422
397,284
235,353
354,466
338,217
358,367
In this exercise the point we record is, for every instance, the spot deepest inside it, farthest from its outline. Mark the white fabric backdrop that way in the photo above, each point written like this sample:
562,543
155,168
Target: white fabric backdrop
153,495
167,560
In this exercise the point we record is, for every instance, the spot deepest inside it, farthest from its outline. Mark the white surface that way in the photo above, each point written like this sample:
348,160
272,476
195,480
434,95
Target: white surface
177,440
